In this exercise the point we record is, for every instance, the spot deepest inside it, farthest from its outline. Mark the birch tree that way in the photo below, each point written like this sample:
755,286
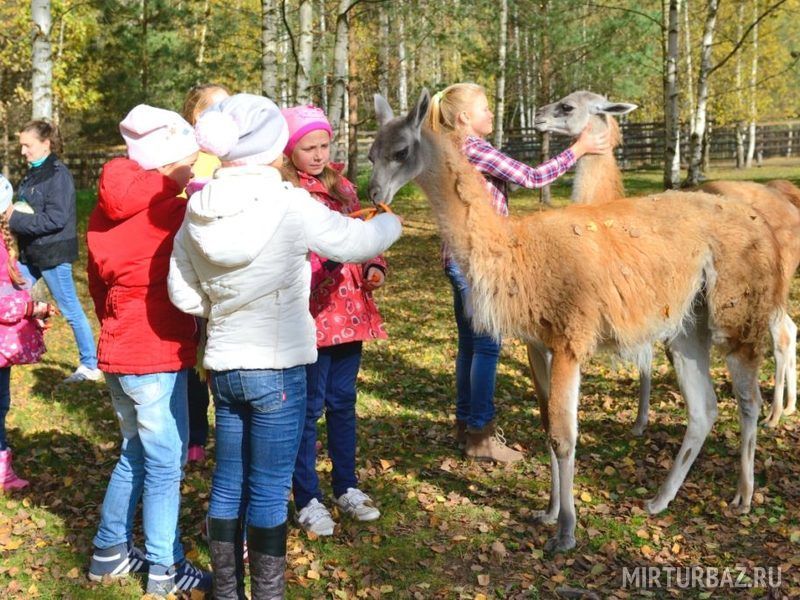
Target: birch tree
402,82
696,140
305,53
42,61
383,54
340,67
500,82
751,141
323,54
269,48
672,125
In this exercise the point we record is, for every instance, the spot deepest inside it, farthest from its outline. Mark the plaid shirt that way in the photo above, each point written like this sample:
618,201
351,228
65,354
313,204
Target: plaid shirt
500,169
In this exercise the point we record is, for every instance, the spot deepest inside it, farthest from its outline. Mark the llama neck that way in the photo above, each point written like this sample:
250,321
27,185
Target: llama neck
597,176
467,221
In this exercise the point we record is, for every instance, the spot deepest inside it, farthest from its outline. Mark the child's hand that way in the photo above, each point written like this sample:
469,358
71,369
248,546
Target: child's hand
375,279
43,310
591,143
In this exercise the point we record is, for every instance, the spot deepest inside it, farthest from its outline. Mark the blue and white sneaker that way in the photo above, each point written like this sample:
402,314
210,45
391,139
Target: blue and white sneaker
181,577
118,561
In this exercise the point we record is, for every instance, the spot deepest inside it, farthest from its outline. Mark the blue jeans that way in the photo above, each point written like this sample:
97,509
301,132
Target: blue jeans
198,409
5,403
476,361
62,287
154,421
259,418
331,386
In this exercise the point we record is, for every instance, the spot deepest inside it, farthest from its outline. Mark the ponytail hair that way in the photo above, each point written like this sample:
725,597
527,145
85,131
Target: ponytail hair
447,104
199,99
45,131
11,246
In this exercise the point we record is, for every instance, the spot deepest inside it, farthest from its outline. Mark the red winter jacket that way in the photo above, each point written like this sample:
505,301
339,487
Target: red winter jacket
342,309
130,241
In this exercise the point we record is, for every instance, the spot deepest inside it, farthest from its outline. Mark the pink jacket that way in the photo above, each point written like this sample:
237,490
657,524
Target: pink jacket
342,309
21,340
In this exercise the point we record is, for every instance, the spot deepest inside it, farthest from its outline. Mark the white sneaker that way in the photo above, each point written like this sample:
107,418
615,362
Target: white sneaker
358,505
314,517
84,373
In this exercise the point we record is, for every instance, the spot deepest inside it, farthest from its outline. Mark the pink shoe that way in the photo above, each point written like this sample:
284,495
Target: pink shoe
196,454
9,479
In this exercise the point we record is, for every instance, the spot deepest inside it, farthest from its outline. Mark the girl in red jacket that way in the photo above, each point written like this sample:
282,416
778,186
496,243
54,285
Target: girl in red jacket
146,348
345,315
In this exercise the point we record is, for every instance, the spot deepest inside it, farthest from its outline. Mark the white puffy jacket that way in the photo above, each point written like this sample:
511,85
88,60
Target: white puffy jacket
240,260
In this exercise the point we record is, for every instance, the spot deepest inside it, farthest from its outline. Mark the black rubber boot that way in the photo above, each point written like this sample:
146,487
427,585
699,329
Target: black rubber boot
225,544
267,551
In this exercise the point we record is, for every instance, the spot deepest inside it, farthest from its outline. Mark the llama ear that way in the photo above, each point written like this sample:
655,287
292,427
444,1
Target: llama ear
417,114
613,108
383,111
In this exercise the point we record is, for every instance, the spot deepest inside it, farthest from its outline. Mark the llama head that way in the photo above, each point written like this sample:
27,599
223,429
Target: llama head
395,154
570,115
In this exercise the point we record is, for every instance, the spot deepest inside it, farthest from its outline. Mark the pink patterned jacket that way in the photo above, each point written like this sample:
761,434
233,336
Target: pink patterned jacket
342,309
21,340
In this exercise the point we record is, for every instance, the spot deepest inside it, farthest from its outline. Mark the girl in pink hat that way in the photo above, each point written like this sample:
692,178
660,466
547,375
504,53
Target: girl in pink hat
346,315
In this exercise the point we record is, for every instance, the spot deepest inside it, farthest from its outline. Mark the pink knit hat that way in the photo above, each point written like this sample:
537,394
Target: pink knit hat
156,137
303,120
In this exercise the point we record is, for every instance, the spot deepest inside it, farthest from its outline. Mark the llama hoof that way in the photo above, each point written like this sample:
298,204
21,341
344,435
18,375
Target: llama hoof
771,422
544,517
638,429
560,543
739,507
656,505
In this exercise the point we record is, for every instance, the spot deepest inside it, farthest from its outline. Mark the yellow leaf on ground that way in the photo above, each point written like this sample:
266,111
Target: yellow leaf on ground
586,497
312,574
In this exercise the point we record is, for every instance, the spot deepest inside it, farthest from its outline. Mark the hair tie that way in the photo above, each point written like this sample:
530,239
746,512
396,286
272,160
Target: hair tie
437,97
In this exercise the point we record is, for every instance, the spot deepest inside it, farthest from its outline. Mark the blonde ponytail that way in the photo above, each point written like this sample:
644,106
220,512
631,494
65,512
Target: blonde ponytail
447,104
11,246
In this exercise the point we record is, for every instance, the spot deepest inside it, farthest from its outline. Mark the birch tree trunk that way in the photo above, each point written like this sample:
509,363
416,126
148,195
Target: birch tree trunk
696,149
42,61
340,65
352,105
739,130
672,124
323,31
201,46
521,104
751,138
500,82
689,65
145,71
544,92
305,53
383,55
402,82
269,48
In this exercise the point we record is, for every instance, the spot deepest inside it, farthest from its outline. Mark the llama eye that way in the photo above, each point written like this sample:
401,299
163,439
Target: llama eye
566,108
401,155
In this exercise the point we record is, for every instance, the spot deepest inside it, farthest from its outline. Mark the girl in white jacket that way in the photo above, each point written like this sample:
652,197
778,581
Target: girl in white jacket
240,261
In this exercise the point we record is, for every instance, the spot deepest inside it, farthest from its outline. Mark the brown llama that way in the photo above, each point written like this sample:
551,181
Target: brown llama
687,267
599,179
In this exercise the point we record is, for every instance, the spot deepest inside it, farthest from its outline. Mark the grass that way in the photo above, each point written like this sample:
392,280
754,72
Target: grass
450,528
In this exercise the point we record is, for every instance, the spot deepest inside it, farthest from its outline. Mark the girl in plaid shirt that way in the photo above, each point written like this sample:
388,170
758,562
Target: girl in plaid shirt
464,109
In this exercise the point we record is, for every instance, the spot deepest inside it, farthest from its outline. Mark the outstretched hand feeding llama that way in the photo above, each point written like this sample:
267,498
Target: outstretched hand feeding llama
617,276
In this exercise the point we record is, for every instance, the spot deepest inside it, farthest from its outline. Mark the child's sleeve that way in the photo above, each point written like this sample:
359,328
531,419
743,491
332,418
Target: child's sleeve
97,287
489,160
14,307
344,239
378,261
183,283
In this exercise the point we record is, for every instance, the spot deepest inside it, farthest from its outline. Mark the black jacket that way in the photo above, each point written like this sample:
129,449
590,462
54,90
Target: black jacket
49,236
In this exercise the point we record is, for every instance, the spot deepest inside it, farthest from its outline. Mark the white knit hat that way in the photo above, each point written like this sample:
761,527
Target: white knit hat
156,137
6,193
243,129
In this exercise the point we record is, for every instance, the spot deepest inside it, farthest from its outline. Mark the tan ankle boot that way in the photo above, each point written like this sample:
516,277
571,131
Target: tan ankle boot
461,434
489,444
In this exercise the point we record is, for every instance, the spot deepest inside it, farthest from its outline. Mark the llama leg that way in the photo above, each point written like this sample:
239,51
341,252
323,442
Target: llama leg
645,383
791,367
539,359
690,351
780,349
563,415
744,374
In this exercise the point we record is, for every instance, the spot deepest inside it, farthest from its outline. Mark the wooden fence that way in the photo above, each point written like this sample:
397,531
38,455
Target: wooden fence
643,146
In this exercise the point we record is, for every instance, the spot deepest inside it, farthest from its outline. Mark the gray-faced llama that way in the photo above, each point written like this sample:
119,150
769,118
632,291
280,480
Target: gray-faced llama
692,268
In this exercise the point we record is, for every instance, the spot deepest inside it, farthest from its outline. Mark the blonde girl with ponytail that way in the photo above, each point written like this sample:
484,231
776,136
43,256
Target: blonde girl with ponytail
462,111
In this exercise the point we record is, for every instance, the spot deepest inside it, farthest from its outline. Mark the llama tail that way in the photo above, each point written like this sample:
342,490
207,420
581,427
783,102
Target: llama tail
789,190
